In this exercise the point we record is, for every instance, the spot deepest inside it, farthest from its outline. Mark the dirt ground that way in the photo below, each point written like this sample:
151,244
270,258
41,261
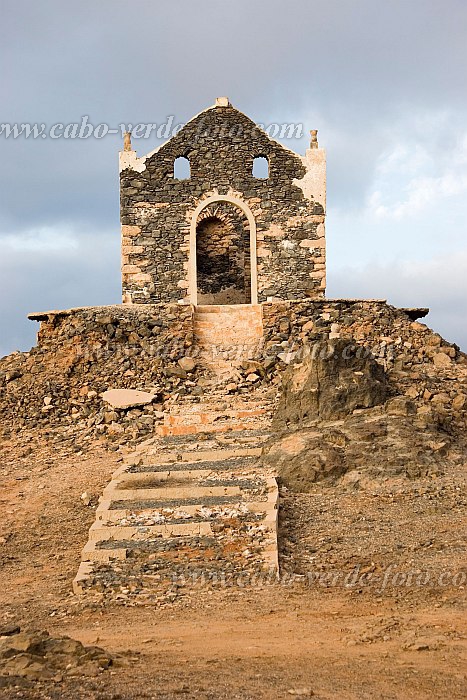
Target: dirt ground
371,603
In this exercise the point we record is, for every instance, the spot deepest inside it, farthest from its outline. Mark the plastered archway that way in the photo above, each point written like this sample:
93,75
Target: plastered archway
192,274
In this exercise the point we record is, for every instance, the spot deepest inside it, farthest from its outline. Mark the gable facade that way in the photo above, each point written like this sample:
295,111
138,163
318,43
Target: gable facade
218,233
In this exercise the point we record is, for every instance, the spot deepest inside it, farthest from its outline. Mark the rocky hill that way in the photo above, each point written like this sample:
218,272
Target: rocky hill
360,410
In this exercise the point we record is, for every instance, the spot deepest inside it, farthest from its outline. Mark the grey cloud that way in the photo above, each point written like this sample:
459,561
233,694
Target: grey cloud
352,69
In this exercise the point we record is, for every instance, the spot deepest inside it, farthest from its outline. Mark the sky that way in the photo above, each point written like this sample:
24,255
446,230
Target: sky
382,81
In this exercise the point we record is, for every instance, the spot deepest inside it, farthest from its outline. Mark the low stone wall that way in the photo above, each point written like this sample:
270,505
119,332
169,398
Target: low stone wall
153,330
394,337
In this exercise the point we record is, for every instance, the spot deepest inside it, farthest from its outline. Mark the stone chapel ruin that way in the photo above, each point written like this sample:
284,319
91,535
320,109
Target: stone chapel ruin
220,233
207,370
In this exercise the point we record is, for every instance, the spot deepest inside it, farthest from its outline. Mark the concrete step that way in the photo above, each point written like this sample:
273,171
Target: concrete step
167,454
229,319
194,429
256,509
225,338
190,444
223,335
247,309
199,455
209,418
113,529
152,456
227,325
178,550
99,533
115,492
167,477
233,326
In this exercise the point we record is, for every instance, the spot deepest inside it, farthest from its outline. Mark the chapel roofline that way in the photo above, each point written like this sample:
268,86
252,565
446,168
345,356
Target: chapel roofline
138,162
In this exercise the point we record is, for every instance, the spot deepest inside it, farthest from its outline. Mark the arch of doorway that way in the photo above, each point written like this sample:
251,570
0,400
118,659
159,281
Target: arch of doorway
192,273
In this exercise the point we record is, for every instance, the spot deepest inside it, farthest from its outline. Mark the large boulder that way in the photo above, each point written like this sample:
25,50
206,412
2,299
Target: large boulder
332,379
303,457
337,413
127,398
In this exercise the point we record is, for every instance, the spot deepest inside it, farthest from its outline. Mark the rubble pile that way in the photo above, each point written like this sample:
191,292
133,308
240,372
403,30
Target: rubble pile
83,353
36,656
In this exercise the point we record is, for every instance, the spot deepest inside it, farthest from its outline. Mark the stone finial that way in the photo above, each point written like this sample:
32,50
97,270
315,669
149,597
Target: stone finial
127,141
314,138
222,102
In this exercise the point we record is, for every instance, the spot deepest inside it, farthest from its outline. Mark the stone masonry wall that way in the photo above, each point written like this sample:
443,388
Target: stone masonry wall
156,209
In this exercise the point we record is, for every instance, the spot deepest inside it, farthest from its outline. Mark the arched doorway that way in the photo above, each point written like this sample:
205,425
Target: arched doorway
222,265
223,255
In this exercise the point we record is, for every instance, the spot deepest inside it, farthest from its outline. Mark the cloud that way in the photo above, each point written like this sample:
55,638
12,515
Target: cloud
40,240
380,81
418,173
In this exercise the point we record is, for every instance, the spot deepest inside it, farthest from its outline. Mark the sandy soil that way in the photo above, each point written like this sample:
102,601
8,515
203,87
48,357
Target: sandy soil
323,631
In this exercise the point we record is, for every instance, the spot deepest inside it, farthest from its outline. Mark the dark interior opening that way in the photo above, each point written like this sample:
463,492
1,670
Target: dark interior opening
223,257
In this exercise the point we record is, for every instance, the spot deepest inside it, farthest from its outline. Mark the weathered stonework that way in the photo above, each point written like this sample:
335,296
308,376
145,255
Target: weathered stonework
278,251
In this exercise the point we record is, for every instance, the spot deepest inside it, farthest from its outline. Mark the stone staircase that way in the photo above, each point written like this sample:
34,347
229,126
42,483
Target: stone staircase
192,505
